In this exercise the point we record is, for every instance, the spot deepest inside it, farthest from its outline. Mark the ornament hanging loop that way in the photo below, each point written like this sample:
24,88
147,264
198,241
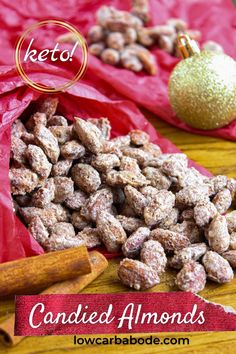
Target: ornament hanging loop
187,46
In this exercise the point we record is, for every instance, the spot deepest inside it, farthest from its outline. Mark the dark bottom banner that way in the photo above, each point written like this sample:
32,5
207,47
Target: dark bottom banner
119,313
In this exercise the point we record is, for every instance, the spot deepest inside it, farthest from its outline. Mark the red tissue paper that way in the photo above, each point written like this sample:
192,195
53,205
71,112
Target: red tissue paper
216,19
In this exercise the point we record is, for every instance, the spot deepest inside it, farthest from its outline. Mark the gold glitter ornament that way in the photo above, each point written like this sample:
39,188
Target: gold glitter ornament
202,87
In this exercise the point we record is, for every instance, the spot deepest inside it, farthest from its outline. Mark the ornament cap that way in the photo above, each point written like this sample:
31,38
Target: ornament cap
187,46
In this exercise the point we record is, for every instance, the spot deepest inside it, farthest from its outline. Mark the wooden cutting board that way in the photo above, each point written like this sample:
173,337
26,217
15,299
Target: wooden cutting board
219,157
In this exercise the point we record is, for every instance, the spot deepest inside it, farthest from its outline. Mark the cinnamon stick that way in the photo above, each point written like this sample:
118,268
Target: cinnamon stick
73,286
32,274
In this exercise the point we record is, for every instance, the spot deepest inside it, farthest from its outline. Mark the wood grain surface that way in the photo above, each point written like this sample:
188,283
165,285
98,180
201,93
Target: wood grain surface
219,157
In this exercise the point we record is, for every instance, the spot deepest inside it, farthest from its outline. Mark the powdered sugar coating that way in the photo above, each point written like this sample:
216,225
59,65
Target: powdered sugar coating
38,230
99,201
129,164
159,208
35,119
150,193
105,162
76,200
47,141
22,180
231,221
137,275
170,220
230,256
122,178
130,224
135,241
72,150
111,231
90,237
38,161
157,178
62,134
86,177
217,268
218,235
204,212
44,195
78,221
192,252
61,168
18,150
192,277
103,125
139,137
57,120
135,199
64,188
153,149
171,241
136,153
48,105
222,200
191,195
47,215
17,128
189,229
153,254
89,134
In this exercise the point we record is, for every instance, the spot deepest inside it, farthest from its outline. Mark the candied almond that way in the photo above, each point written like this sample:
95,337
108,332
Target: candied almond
38,160
153,254
76,200
139,137
63,134
89,134
218,235
57,120
47,141
137,275
135,241
72,150
157,178
135,199
64,188
90,236
217,268
129,223
192,252
111,231
204,212
105,162
35,119
78,221
38,230
222,200
159,208
61,168
48,106
86,177
192,277
22,180
100,200
103,124
122,178
230,256
170,240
